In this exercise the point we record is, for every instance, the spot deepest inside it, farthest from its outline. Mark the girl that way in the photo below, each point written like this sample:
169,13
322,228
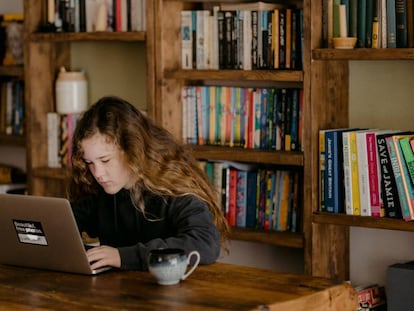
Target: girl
136,188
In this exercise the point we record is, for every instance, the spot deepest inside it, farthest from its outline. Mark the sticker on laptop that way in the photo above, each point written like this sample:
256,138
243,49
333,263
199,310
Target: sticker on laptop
30,232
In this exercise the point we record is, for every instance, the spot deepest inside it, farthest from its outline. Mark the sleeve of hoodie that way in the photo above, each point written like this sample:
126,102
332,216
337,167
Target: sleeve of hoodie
192,228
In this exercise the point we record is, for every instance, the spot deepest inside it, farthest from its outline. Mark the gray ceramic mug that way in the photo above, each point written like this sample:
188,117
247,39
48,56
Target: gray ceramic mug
170,265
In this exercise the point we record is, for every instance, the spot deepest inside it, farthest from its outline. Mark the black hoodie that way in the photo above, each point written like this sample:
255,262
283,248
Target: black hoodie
182,222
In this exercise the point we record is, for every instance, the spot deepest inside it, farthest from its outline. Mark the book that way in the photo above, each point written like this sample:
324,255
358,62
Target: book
283,204
369,17
352,26
406,144
232,196
389,192
334,190
186,40
361,23
241,199
202,29
391,24
364,186
251,198
53,121
401,23
322,170
374,175
351,182
398,170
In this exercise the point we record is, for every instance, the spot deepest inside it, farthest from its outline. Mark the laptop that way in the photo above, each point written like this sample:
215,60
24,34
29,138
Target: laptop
41,232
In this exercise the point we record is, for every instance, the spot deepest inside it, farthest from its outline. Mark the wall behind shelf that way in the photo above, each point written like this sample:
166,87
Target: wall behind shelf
381,95
113,68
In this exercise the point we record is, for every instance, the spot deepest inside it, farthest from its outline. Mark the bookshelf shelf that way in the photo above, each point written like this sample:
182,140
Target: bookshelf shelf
363,54
87,36
61,174
12,140
283,239
237,75
363,221
248,155
12,71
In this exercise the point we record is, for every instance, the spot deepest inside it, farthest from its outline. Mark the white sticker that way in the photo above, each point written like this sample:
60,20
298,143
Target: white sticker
30,232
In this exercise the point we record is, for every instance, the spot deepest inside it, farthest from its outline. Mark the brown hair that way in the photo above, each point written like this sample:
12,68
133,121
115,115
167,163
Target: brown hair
159,163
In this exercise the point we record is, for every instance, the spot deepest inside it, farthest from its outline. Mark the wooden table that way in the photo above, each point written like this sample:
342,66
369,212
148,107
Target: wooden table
214,287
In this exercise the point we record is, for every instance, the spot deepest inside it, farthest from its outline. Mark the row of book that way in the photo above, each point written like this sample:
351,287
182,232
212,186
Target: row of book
261,118
375,23
12,110
232,38
96,15
367,172
251,197
60,129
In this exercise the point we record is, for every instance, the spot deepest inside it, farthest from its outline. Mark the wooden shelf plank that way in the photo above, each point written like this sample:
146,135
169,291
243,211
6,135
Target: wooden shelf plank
283,239
248,155
50,173
239,75
13,140
12,71
363,54
363,221
88,36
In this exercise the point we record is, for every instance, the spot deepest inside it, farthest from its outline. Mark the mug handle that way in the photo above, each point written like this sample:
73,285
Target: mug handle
197,255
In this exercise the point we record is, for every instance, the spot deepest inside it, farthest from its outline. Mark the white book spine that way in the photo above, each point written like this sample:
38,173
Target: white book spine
53,139
186,40
364,190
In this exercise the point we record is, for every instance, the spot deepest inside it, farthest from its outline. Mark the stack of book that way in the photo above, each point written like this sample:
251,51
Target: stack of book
243,36
375,23
60,129
367,172
12,112
96,15
260,118
253,197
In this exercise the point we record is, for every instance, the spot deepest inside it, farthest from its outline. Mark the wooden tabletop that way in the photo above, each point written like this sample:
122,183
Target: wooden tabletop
213,287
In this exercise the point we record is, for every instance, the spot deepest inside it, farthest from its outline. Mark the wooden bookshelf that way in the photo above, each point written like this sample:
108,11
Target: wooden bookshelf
326,100
45,53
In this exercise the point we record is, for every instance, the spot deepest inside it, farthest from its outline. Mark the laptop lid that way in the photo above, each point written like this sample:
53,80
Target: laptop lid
41,232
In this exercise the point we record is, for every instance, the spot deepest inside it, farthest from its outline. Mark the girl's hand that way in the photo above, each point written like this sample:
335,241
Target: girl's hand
104,256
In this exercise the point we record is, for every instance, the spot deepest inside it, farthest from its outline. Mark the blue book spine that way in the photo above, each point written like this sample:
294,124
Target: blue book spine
361,23
251,199
334,186
391,25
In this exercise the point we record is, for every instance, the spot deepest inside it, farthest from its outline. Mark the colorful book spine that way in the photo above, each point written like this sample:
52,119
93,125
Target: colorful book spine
407,150
373,174
389,192
241,199
404,201
334,187
352,204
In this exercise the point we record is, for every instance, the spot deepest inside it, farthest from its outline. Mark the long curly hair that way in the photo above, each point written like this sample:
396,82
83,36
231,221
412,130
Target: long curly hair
159,163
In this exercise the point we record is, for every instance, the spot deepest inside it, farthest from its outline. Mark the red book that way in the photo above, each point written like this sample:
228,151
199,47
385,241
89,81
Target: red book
232,211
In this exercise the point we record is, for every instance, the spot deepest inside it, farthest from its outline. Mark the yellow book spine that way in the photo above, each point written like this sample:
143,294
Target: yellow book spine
354,174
